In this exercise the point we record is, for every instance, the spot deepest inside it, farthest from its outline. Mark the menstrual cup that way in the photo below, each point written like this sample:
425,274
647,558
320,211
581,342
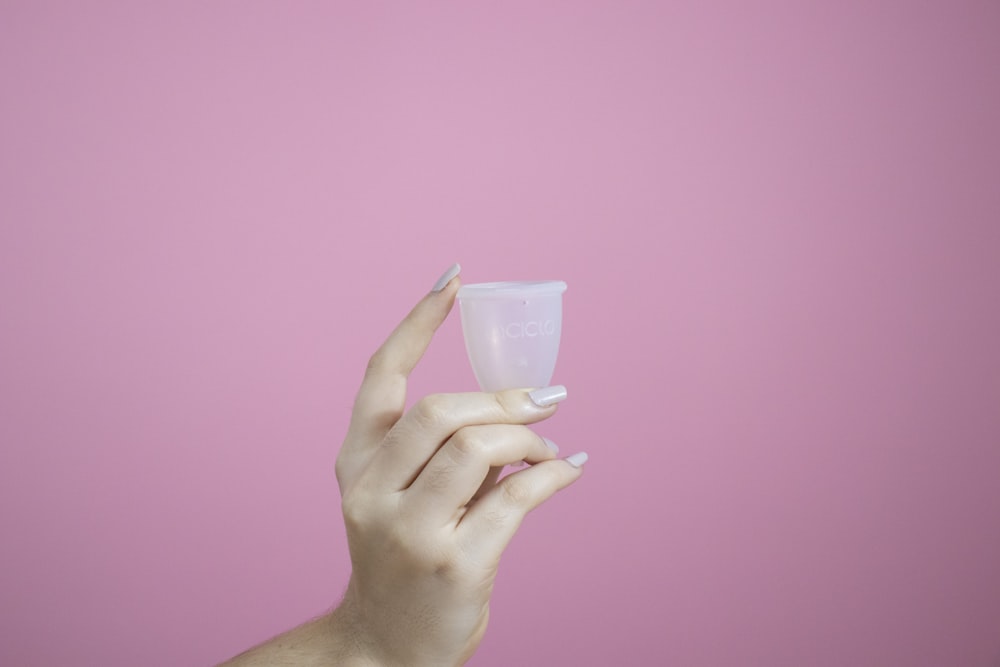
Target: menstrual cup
512,331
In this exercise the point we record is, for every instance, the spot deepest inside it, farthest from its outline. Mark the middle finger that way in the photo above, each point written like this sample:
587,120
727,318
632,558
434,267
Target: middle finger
416,437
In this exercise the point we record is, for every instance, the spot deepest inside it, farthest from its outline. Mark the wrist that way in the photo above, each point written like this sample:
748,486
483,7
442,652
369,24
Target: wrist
371,640
354,648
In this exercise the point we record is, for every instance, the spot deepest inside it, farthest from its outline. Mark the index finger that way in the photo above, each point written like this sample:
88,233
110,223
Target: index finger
382,398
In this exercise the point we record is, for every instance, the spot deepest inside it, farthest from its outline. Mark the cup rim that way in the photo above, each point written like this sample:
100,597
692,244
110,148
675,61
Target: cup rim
509,288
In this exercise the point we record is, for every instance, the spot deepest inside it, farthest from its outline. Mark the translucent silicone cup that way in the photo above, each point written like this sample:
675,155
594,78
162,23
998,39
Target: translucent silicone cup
512,331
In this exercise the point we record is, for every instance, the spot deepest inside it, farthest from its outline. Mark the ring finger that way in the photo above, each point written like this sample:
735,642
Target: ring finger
457,471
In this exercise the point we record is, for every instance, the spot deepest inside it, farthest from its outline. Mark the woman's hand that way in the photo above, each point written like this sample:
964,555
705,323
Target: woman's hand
426,518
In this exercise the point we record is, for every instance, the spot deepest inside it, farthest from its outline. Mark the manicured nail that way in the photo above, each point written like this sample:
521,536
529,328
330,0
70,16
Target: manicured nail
547,396
551,445
577,460
446,277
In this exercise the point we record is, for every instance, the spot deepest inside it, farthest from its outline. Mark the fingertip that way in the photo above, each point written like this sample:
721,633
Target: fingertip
447,277
435,306
545,397
577,460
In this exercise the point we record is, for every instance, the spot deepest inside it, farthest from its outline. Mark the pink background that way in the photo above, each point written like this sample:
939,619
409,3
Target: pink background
780,224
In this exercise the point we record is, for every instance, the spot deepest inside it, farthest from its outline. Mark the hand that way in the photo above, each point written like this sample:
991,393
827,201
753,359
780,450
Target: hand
426,517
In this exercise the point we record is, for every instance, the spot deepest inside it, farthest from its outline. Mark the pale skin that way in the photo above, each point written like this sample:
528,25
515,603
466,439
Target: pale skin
426,513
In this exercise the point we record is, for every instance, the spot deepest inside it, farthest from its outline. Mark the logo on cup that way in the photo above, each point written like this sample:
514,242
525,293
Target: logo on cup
531,329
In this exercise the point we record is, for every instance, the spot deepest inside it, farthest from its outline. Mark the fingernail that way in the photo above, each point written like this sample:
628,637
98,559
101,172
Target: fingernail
547,396
551,445
576,460
446,277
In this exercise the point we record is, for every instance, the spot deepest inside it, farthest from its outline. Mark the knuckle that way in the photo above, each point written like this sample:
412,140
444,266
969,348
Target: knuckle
376,363
341,470
496,518
468,443
440,478
442,559
354,510
515,492
506,404
431,410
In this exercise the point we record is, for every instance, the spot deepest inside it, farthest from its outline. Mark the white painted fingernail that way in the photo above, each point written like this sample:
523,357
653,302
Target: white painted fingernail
446,277
551,445
547,396
577,460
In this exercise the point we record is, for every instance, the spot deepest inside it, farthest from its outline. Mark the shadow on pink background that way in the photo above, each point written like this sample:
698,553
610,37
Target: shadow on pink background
780,226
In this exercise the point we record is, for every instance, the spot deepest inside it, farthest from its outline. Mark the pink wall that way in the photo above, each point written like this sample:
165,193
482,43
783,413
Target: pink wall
781,231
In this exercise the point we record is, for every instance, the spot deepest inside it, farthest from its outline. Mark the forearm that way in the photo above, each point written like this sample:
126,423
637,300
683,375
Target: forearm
326,641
